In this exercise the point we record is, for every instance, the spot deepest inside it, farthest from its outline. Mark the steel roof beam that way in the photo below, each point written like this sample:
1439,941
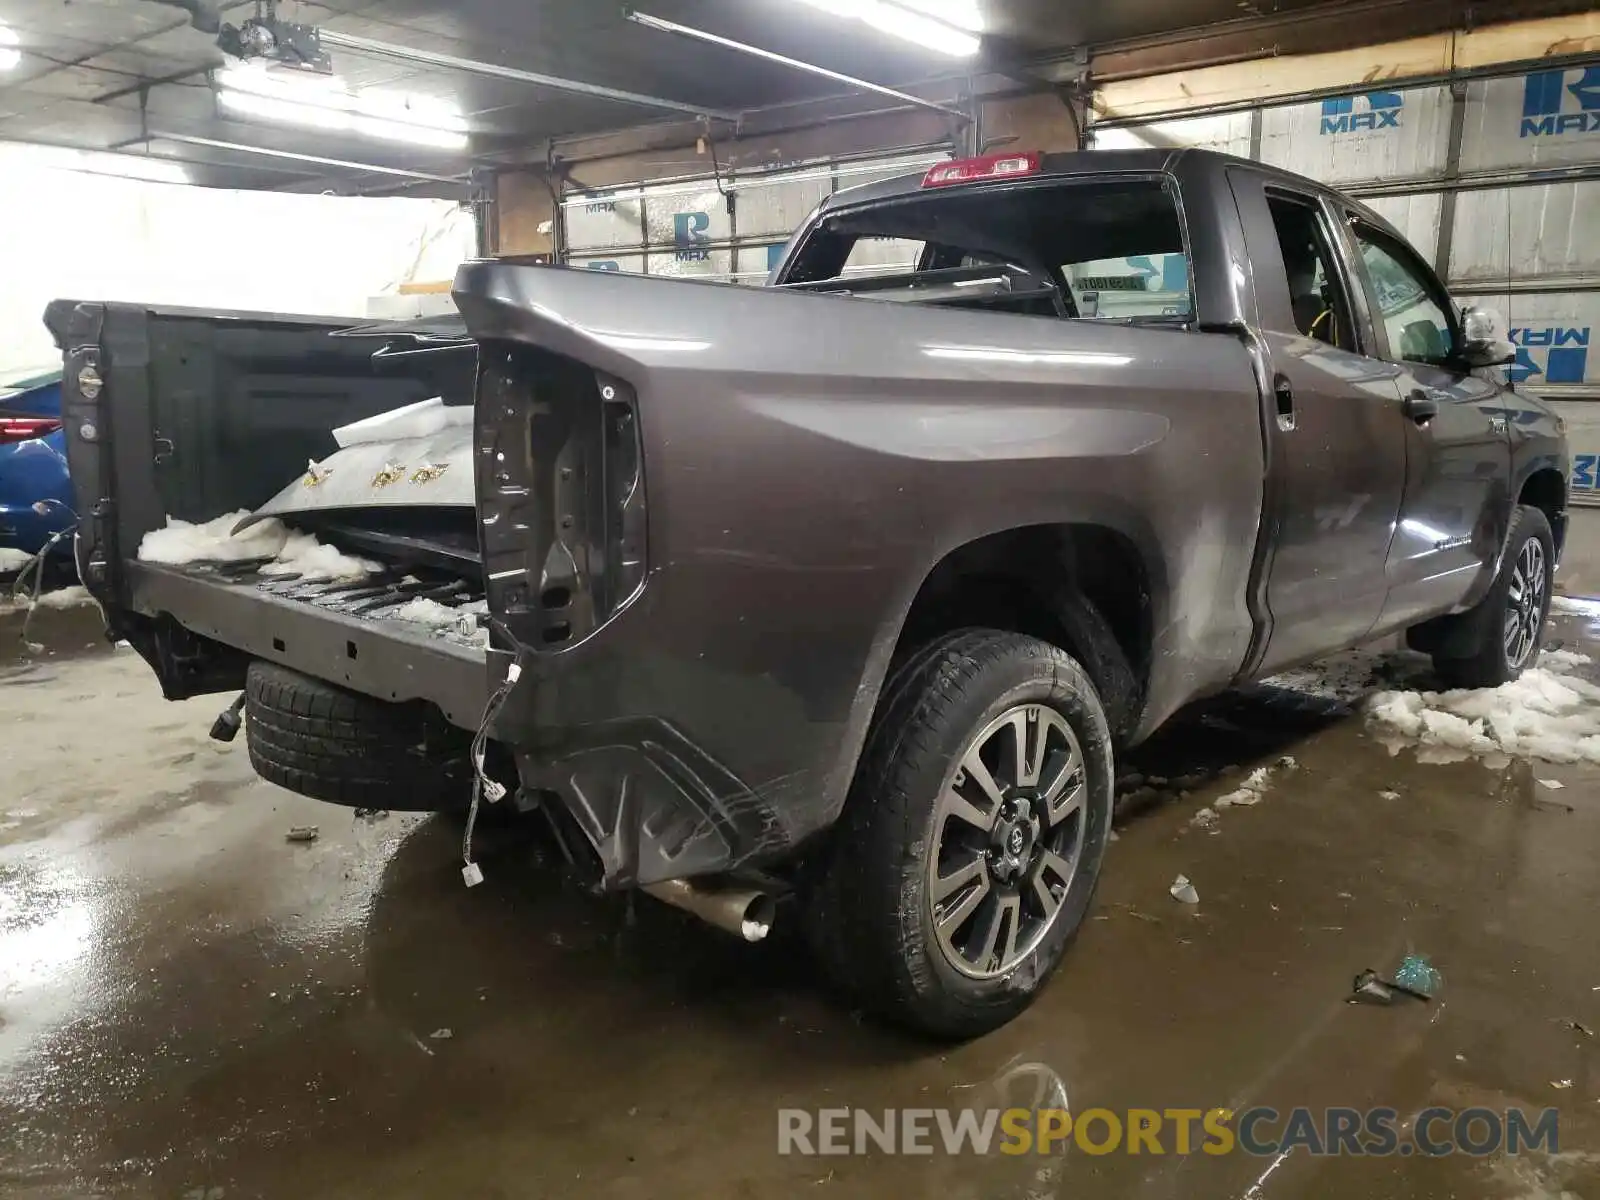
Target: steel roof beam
472,66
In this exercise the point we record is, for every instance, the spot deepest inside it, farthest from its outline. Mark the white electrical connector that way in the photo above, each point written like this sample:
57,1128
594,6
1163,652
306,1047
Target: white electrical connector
484,787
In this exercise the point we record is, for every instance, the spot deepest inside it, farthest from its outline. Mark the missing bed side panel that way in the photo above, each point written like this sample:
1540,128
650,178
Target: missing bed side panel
560,499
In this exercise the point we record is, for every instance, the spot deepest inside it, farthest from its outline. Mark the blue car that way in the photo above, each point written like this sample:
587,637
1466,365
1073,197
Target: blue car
33,465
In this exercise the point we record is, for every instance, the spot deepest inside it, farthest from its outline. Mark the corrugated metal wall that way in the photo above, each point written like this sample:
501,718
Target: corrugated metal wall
728,229
1496,179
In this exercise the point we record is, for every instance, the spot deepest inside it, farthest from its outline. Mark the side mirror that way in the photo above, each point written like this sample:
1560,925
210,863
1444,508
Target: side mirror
1483,339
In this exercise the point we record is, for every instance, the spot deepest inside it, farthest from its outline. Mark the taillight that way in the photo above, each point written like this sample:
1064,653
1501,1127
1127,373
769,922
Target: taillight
24,429
990,166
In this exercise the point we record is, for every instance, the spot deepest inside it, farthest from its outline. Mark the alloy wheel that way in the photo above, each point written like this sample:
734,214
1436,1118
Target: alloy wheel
1525,602
1008,840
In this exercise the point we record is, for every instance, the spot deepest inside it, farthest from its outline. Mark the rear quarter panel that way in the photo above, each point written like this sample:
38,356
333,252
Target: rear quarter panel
809,460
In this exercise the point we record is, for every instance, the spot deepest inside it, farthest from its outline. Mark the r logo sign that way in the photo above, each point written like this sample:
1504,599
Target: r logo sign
1550,354
1558,102
689,235
1342,115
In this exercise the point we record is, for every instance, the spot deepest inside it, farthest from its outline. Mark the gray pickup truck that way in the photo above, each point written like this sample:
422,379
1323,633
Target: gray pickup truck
848,589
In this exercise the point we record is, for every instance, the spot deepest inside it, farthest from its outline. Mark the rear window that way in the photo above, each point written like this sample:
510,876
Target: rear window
1085,249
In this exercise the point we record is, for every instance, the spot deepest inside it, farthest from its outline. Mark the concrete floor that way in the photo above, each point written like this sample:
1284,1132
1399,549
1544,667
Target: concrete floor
191,1006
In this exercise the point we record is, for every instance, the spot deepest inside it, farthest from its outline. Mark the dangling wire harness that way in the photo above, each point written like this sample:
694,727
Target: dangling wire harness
36,564
483,786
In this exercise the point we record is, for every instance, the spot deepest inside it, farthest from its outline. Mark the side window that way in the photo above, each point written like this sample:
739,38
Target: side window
1408,301
1318,306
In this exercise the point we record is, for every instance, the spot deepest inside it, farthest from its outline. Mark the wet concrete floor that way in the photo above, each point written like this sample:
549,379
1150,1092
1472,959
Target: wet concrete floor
191,1006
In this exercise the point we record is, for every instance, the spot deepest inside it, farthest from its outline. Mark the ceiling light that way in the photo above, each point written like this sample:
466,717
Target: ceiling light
10,55
324,102
22,156
948,26
963,14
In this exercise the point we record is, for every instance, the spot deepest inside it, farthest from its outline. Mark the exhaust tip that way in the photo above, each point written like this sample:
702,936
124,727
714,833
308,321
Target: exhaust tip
743,911
758,917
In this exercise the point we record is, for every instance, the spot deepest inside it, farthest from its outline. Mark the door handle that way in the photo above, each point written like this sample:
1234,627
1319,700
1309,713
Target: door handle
1420,406
1283,392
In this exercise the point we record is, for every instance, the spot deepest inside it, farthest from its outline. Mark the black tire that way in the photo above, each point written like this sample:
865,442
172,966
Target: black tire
1475,654
332,744
868,908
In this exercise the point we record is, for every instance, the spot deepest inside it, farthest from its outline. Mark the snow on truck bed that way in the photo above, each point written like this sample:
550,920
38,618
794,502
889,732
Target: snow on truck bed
297,566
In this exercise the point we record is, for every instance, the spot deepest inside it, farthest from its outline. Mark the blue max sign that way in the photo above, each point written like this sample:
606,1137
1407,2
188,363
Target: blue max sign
1551,354
1173,272
689,236
1558,102
1341,115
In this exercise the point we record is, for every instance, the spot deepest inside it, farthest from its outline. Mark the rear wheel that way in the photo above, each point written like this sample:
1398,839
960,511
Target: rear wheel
1508,623
973,836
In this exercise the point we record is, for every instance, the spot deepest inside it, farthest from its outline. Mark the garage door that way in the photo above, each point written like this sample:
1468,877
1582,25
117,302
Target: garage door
1496,178
730,229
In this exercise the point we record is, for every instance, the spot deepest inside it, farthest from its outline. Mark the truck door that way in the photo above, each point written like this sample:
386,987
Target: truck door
1456,506
1335,449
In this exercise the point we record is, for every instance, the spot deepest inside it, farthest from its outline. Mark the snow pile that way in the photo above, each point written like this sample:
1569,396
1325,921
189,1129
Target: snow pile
1250,792
215,541
75,596
1581,605
300,554
1548,713
457,624
13,560
310,559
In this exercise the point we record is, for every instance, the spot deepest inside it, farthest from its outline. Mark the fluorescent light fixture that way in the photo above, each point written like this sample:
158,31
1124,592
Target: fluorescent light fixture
22,156
948,26
324,102
963,14
10,55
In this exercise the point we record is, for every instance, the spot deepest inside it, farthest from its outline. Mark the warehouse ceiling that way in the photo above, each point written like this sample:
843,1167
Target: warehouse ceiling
137,77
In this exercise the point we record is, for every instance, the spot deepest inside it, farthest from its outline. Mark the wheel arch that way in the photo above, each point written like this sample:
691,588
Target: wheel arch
1545,488
1083,586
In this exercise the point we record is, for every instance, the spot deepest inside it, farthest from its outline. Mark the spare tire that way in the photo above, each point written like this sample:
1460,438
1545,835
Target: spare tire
333,744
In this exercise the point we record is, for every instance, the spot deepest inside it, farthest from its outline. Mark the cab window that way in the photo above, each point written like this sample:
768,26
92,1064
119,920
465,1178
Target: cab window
1408,300
1318,307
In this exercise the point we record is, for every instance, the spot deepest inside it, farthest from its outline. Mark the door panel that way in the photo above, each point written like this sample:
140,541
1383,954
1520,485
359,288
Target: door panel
1458,451
1453,515
1335,440
1341,469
